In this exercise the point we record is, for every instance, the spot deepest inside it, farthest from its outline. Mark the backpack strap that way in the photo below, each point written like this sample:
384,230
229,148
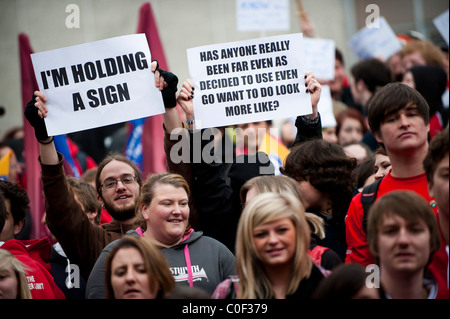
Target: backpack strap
368,196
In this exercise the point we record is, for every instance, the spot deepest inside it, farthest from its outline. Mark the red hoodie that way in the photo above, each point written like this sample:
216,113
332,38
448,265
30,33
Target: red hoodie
35,256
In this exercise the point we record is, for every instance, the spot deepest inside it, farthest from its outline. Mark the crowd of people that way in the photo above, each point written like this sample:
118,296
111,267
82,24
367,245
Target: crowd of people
356,211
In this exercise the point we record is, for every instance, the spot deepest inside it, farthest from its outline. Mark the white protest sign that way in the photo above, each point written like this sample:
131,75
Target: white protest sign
325,108
375,40
319,55
97,83
441,23
262,15
249,81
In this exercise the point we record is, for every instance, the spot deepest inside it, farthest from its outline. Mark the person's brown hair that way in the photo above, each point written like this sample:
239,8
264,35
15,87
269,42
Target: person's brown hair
156,266
436,152
115,157
408,205
326,166
392,98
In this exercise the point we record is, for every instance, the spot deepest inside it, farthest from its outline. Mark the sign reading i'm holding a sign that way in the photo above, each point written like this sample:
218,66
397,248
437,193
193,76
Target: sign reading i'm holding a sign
249,81
97,83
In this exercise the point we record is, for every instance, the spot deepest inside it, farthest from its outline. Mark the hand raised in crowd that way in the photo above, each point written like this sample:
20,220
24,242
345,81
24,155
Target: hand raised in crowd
167,83
35,112
185,99
314,88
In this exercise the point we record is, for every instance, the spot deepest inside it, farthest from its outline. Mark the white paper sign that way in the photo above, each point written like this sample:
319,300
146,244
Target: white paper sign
98,83
262,15
319,55
325,108
441,23
249,81
375,41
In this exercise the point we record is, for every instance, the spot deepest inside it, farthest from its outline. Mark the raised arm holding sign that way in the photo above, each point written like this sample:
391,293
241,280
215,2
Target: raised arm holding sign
97,84
81,240
249,81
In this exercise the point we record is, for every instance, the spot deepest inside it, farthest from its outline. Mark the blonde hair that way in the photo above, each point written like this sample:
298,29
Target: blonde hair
265,208
270,183
8,260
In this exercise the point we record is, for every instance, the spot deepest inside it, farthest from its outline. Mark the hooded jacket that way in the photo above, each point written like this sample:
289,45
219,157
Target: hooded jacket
35,257
198,261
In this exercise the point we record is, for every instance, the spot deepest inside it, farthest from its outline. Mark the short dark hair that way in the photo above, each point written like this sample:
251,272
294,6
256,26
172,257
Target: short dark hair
327,168
18,198
373,73
436,152
392,98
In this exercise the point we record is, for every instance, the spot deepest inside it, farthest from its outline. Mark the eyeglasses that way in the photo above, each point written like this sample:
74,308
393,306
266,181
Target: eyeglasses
112,182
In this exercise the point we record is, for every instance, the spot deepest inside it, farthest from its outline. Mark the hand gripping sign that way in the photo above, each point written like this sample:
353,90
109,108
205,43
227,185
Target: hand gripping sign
249,81
97,83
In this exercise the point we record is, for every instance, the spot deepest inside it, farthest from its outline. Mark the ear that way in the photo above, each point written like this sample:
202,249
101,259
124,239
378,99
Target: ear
144,211
18,227
377,137
100,200
361,86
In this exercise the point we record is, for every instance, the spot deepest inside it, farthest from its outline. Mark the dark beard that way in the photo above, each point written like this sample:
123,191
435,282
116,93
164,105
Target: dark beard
120,214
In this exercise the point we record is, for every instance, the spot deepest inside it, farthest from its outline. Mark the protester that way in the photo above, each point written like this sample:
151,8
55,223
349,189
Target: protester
89,178
14,168
65,273
403,235
367,77
357,150
350,126
215,183
322,256
323,172
81,240
382,163
363,174
347,281
399,119
420,52
431,82
34,253
136,269
271,251
195,260
329,134
436,165
13,281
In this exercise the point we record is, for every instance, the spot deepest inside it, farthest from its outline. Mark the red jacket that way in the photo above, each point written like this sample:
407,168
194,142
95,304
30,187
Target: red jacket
35,256
357,246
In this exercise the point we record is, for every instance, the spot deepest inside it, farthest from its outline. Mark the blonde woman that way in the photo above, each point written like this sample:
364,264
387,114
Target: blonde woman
13,282
321,255
272,251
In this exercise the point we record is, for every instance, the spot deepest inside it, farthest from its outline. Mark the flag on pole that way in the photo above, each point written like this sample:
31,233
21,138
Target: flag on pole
31,147
145,144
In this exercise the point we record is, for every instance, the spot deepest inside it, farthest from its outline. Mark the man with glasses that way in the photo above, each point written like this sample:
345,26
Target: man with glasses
118,182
